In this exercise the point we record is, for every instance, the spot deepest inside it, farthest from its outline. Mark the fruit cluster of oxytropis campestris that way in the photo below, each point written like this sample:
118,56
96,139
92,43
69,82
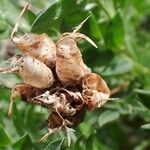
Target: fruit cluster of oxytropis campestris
55,76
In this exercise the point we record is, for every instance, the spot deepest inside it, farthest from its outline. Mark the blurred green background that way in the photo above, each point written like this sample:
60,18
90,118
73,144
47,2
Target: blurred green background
121,29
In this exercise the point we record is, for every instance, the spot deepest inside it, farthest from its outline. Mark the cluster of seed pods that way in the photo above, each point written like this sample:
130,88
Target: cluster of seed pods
55,76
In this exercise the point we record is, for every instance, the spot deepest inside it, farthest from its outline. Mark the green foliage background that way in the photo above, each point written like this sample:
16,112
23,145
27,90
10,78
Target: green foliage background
121,29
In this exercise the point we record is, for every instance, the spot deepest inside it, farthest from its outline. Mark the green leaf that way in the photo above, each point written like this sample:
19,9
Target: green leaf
18,144
139,107
54,145
27,143
113,33
78,144
5,93
142,91
107,116
125,108
18,120
94,27
118,66
38,119
121,106
74,9
5,34
4,139
144,95
108,7
4,29
9,12
85,129
94,144
49,20
3,25
146,126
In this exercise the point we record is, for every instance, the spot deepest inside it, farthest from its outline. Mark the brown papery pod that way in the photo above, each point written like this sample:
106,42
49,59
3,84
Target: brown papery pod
95,91
33,71
38,46
69,62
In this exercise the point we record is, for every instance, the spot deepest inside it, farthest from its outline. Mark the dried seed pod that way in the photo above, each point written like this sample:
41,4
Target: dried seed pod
38,46
95,91
33,71
26,92
69,62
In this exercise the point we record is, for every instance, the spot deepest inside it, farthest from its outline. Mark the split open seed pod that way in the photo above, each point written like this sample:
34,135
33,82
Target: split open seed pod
95,91
64,101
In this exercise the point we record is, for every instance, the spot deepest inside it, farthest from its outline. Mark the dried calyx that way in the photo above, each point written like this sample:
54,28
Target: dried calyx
56,77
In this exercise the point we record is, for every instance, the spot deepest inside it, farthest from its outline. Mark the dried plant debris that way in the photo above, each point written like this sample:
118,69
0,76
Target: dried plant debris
56,77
